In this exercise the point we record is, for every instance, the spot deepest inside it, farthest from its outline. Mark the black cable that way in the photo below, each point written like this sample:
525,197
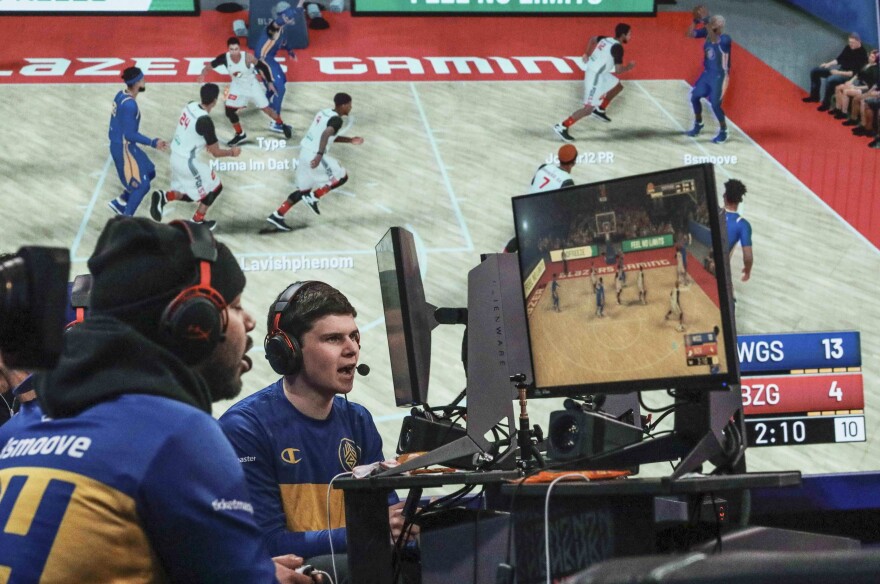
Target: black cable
717,525
652,410
660,418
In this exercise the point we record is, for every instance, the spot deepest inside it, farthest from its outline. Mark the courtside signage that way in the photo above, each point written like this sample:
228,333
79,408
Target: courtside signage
101,6
496,7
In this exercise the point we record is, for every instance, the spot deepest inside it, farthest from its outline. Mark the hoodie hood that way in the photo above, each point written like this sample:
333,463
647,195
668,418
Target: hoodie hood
104,358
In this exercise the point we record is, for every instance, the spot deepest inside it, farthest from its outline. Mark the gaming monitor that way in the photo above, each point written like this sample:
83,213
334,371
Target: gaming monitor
665,226
407,316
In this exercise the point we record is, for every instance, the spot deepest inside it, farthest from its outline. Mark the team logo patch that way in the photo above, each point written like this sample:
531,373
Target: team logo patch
290,455
710,53
349,453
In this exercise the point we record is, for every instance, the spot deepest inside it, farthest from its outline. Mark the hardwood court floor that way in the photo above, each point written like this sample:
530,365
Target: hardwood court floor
630,340
443,159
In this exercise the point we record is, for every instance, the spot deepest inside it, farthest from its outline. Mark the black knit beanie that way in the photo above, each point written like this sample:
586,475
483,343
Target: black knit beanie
139,266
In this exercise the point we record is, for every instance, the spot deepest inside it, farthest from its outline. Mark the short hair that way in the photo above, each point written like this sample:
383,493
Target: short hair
232,41
341,99
313,301
718,19
621,29
734,190
856,36
209,92
131,74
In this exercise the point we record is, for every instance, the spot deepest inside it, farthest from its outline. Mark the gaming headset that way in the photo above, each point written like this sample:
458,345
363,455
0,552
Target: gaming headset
194,322
282,350
79,299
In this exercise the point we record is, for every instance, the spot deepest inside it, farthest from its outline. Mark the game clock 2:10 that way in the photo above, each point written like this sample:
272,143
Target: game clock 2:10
805,430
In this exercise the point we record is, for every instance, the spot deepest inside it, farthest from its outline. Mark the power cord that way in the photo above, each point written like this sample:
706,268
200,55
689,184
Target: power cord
547,517
330,527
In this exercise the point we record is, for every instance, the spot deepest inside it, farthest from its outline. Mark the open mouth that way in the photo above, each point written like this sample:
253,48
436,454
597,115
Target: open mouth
347,370
247,364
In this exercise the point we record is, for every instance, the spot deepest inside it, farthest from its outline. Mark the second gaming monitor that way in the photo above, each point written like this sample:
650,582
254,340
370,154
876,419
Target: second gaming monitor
626,285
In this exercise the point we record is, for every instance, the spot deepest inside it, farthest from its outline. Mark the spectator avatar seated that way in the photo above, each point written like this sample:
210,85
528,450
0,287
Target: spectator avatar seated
846,104
294,436
850,60
127,477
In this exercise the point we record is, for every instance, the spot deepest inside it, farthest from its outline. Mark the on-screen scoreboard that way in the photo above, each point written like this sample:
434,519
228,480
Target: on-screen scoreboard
802,388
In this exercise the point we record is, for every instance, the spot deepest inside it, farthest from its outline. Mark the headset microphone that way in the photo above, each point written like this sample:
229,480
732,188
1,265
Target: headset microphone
363,369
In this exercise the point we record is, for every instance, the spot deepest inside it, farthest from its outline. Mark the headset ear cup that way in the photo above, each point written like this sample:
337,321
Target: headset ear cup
283,353
193,328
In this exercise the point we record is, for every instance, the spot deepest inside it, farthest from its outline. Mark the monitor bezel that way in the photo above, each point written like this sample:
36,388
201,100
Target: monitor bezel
418,375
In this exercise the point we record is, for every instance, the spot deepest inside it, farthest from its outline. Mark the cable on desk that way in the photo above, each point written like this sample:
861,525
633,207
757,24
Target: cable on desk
547,516
329,527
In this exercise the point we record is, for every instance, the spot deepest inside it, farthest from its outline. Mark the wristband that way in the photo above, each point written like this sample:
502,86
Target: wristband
321,152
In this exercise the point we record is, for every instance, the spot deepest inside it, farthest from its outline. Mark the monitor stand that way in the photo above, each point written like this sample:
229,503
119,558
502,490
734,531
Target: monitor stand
698,434
496,347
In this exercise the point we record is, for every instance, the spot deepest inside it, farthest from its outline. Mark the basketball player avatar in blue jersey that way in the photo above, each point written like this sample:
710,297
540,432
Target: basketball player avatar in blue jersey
738,229
266,50
716,69
135,170
600,298
554,293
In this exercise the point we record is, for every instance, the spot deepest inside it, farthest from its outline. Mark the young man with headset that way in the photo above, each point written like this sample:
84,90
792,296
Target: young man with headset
126,476
296,435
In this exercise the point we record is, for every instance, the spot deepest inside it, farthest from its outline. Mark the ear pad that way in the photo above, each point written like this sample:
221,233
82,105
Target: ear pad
193,325
283,353
282,350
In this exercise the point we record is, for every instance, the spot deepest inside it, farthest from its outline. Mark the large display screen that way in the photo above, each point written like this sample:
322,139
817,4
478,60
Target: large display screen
150,7
626,285
530,7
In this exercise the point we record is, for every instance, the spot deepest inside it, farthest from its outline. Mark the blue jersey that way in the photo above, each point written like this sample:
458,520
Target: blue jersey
600,295
267,47
289,460
125,121
125,492
713,53
739,230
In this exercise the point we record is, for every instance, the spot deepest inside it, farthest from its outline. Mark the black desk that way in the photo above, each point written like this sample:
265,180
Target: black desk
366,516
606,518
593,522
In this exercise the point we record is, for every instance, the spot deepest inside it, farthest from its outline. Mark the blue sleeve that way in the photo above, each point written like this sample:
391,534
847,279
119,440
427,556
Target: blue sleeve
128,116
196,486
701,33
726,44
249,439
746,235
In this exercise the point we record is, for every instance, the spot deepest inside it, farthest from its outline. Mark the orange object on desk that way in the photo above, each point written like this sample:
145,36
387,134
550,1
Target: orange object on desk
546,476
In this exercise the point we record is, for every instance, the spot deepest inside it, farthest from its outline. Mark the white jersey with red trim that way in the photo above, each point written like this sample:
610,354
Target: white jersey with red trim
312,140
550,177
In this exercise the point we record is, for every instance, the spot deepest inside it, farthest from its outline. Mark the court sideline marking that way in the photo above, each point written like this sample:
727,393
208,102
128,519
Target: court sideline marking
88,213
469,244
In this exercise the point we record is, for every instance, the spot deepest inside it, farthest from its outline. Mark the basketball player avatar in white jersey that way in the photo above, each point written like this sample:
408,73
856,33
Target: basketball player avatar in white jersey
603,58
245,87
680,270
317,173
550,177
675,308
192,178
